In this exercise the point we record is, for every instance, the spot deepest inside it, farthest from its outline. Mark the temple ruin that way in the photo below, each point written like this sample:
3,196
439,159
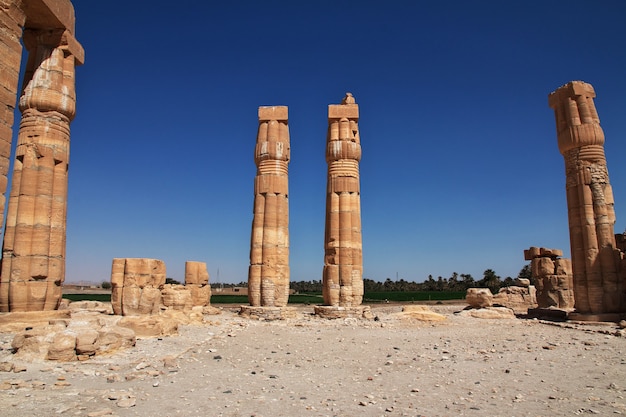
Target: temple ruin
268,276
33,252
598,266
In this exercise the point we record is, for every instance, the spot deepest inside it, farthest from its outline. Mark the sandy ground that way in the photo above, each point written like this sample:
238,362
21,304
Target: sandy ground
310,366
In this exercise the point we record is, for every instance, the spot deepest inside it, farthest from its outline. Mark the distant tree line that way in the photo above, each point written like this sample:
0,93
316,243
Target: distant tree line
455,282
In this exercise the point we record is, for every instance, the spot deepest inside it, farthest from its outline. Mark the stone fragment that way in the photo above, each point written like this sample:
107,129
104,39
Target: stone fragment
62,348
177,297
342,281
479,297
268,275
489,313
150,326
422,313
518,299
598,276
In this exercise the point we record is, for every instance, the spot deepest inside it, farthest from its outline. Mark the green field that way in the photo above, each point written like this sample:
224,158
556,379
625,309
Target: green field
395,296
370,297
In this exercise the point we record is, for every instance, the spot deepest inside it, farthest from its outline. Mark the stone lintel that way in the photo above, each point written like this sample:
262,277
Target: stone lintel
267,313
49,14
73,47
336,312
339,111
273,113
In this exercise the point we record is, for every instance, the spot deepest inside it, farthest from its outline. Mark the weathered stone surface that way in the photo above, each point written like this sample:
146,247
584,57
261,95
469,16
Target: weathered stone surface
343,264
267,313
268,275
553,278
150,326
489,313
479,297
518,299
136,285
599,281
63,347
196,273
33,266
421,313
177,297
15,322
197,281
338,312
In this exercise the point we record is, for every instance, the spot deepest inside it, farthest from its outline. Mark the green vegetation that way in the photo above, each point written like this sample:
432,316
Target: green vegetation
106,285
395,296
88,297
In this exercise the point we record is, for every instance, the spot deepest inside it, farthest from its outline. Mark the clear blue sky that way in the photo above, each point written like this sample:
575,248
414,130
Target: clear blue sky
460,169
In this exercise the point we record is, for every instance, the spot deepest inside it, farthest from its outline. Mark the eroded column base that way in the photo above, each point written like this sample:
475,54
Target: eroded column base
267,313
605,317
336,312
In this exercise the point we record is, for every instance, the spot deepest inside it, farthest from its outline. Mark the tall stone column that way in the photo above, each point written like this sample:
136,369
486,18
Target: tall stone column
11,24
268,276
33,254
598,289
343,263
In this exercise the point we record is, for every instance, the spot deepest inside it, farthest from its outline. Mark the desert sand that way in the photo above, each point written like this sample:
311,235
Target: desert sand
307,366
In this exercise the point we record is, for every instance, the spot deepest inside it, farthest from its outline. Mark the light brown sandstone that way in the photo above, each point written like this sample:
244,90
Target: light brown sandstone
268,276
479,297
197,282
33,255
517,298
136,285
552,276
599,279
343,263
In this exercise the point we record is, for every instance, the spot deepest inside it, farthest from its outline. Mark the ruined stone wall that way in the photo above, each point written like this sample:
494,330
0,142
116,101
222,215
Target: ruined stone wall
552,276
33,253
599,286
343,260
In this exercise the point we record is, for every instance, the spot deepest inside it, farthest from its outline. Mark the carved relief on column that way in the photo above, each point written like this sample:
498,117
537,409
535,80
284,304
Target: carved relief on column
268,276
597,287
343,264
33,256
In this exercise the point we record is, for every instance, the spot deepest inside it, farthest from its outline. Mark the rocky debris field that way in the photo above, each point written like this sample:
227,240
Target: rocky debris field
393,365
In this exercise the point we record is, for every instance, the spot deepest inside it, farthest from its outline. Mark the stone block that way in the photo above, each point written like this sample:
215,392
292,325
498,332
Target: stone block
479,297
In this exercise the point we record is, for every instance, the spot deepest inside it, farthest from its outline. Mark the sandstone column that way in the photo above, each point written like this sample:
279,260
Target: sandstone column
268,276
11,23
136,285
595,257
343,264
197,281
33,254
